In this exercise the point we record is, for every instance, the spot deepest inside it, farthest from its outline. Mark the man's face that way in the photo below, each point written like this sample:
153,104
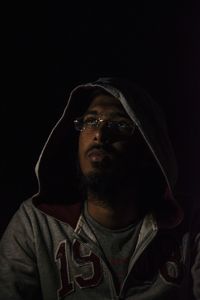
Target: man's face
101,150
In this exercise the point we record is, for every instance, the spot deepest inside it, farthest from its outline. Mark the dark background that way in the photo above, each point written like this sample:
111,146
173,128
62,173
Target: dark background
50,50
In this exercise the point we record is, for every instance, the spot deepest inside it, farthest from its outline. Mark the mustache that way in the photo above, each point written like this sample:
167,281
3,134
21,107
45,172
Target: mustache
108,149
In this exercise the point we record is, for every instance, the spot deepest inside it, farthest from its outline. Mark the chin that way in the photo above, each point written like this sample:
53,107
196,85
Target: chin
98,173
99,170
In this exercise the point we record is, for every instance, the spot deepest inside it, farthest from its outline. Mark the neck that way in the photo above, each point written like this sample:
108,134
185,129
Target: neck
118,212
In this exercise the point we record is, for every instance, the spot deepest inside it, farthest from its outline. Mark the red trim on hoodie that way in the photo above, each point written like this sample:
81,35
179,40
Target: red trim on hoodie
66,213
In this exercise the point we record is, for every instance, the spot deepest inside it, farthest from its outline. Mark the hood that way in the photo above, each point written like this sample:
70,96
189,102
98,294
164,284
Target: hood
56,167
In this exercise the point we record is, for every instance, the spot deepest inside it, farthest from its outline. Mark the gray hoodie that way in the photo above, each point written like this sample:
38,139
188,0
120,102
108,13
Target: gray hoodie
48,250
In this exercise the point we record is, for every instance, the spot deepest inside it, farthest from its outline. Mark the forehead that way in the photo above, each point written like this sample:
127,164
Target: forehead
105,103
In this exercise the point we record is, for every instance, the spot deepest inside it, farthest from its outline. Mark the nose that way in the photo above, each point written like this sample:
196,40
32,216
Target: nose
101,134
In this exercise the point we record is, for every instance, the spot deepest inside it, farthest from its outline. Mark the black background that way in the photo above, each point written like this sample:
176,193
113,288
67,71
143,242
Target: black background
49,50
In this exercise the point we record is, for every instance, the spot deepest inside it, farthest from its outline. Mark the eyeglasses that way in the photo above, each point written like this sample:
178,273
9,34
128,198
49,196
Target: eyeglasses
122,128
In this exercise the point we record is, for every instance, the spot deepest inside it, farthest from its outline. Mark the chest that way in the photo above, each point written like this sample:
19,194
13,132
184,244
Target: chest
75,269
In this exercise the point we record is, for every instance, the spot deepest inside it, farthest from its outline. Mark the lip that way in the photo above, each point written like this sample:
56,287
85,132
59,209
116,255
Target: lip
96,155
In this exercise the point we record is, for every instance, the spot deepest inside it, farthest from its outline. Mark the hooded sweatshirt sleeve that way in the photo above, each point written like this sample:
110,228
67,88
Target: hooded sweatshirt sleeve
18,269
196,269
195,229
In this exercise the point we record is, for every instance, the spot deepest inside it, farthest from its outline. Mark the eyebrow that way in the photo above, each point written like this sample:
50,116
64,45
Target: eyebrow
111,114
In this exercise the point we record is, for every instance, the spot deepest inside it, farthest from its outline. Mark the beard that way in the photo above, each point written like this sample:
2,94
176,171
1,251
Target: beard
105,184
101,184
106,181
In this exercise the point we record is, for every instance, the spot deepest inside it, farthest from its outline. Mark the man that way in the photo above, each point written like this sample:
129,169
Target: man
104,223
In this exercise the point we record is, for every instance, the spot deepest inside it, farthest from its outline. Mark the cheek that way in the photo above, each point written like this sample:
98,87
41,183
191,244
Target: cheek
82,148
121,147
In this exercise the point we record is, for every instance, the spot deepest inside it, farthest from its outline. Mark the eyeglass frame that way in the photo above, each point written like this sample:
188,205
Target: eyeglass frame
99,120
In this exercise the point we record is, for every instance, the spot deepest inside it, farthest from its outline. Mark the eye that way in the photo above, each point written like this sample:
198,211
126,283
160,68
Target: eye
123,124
118,125
90,121
125,128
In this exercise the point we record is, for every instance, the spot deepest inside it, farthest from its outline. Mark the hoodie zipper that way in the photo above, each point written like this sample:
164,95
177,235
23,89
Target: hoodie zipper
140,248
144,240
